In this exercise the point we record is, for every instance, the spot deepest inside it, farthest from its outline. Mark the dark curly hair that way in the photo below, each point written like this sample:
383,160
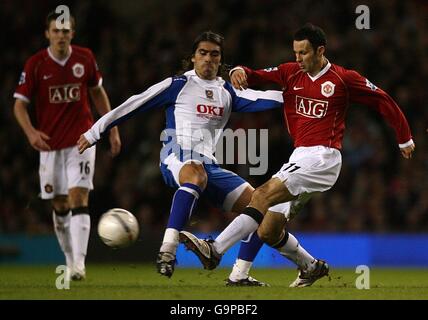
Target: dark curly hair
209,36
315,35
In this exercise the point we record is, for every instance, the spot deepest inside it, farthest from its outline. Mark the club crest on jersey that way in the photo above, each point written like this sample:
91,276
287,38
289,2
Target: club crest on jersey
48,188
311,108
327,89
209,94
78,70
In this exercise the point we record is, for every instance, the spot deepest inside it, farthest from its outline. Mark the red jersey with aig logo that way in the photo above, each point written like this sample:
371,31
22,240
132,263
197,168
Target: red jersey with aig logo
315,107
59,92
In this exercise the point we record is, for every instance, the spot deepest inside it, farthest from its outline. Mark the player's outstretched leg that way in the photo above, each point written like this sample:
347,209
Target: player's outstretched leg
247,253
184,202
203,249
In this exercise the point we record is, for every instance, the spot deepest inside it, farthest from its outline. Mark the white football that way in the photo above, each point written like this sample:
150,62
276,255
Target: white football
118,228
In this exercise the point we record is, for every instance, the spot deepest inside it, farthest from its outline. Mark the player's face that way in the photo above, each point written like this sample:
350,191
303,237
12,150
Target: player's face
309,61
59,39
206,60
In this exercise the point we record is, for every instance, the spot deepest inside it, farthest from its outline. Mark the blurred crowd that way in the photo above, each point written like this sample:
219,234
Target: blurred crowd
139,43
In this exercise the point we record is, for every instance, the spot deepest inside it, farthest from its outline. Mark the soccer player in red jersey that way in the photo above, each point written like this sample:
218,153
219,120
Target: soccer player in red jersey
316,96
58,81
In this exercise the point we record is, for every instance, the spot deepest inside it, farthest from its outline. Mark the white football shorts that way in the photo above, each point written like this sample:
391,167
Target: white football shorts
61,170
309,170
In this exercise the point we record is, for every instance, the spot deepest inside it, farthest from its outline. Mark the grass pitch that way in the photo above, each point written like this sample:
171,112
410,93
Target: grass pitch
127,281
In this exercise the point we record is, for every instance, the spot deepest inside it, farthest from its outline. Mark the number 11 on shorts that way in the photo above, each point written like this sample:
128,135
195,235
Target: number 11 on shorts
292,167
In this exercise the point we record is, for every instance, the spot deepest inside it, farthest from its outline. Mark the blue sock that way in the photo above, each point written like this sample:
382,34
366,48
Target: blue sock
184,201
250,247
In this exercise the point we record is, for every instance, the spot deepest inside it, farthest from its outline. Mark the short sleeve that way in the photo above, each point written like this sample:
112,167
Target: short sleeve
95,77
26,84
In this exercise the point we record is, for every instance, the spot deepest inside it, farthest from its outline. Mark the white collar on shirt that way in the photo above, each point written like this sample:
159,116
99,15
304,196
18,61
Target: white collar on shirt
60,62
192,73
321,73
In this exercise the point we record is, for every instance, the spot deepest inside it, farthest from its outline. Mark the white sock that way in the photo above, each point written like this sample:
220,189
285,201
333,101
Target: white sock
293,251
237,230
170,241
80,228
240,270
63,234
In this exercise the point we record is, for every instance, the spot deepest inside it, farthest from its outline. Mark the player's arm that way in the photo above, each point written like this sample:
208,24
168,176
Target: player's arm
27,88
363,91
102,104
243,77
36,138
156,96
254,100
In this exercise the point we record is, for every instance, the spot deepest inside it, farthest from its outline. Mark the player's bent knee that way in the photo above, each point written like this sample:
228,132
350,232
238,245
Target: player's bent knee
201,180
78,197
195,174
272,228
263,235
60,204
266,236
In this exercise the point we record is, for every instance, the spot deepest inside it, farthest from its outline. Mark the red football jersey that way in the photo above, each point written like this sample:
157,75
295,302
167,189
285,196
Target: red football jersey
59,91
315,107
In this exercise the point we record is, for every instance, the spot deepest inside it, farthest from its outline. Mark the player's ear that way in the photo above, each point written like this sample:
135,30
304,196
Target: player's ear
47,34
321,50
193,59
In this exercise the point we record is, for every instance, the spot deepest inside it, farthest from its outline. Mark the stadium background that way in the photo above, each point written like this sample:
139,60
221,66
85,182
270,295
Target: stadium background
140,43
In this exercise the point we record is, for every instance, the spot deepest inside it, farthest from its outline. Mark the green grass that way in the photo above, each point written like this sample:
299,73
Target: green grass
127,281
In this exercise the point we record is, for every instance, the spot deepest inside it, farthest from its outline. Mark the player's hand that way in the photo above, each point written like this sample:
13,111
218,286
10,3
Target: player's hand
238,78
407,151
82,144
38,140
115,143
